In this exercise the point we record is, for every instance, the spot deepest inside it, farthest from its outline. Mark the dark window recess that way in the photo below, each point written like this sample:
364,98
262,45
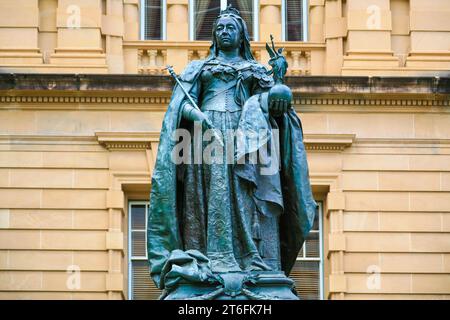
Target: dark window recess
153,17
142,286
294,20
306,275
206,12
245,7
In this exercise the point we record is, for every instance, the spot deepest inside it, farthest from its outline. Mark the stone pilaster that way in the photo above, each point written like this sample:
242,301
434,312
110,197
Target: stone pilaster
19,23
112,31
131,33
368,45
79,40
430,35
335,31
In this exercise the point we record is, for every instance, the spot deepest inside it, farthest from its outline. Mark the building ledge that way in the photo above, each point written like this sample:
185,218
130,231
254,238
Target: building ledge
122,84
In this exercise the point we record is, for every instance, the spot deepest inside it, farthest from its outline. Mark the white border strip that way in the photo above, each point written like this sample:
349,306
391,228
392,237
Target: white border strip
164,20
283,20
305,20
142,19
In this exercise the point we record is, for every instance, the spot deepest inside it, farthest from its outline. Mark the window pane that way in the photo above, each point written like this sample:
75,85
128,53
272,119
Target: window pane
316,222
138,240
294,20
205,12
153,13
306,275
138,217
142,286
245,8
312,245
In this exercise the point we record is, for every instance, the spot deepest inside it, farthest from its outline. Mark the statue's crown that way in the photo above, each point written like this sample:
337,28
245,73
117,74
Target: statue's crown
230,10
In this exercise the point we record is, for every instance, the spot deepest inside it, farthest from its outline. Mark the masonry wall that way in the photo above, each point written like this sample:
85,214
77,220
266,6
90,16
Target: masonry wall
388,216
62,208
68,166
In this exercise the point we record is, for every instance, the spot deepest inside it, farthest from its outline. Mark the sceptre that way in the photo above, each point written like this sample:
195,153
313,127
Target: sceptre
174,75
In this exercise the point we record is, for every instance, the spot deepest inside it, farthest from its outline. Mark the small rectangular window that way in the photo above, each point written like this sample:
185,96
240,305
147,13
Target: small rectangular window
308,269
141,286
295,13
245,8
153,24
205,12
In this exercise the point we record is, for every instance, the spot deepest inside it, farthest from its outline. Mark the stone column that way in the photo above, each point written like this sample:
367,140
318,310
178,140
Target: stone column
19,22
79,41
177,20
177,30
269,24
368,47
316,20
430,36
316,35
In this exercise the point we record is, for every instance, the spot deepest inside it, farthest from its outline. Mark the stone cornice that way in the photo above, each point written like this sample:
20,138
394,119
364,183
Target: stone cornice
157,84
152,92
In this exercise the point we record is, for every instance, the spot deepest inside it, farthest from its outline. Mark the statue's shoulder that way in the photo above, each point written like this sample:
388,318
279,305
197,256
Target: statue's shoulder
258,67
261,73
191,70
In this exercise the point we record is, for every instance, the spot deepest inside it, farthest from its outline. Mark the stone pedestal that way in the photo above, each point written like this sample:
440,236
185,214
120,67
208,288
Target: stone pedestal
256,285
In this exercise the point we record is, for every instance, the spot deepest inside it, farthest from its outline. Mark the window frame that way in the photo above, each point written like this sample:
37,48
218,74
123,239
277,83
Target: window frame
305,20
143,18
223,6
130,257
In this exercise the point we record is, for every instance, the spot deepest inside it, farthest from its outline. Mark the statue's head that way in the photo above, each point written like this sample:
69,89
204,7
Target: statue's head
230,31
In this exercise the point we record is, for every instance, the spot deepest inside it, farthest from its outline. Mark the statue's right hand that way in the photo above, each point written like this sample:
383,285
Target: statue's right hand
197,115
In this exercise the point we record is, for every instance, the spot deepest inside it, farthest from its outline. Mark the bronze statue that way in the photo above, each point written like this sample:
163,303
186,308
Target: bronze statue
229,227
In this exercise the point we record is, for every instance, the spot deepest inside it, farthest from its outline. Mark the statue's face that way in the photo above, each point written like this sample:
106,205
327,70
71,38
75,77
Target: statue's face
228,34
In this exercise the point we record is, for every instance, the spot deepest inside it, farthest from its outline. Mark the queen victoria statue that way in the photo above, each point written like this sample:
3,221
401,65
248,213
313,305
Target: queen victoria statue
231,202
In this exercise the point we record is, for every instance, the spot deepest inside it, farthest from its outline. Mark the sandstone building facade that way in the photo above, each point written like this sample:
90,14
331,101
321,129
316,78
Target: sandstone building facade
83,93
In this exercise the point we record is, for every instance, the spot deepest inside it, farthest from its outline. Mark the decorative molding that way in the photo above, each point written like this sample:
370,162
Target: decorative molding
367,101
127,140
159,103
143,140
63,99
328,142
47,139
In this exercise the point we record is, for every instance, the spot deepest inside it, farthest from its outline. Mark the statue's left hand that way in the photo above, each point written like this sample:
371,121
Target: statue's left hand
279,100
279,106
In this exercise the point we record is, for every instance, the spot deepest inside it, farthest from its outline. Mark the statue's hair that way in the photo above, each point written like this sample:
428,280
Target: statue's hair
233,13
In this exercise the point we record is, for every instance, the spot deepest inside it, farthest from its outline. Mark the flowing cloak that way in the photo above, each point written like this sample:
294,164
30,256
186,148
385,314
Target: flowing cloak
163,228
